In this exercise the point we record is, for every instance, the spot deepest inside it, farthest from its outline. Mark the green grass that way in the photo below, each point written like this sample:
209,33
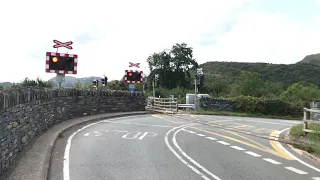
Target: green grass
296,131
314,150
312,140
229,113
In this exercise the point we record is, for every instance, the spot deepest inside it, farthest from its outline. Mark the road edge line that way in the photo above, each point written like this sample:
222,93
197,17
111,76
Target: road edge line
293,156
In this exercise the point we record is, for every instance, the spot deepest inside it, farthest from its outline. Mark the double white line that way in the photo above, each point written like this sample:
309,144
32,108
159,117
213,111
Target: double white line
193,163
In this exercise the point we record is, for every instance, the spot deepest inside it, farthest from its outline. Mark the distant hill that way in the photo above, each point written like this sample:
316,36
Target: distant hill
6,83
286,74
311,59
70,81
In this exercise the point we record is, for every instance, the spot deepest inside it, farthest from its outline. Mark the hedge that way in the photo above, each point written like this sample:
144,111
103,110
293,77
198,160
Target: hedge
279,107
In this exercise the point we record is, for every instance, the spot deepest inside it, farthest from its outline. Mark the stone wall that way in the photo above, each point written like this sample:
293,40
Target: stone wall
217,104
27,113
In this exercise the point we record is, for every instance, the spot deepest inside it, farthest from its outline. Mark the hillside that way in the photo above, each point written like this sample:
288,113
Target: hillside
70,80
311,59
5,83
286,74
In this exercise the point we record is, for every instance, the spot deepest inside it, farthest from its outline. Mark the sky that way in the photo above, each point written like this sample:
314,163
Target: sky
107,35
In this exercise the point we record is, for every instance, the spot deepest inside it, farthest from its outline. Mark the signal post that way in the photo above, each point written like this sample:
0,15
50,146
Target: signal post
61,63
133,77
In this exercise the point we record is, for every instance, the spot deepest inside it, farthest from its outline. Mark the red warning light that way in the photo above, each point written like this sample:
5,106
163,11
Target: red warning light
130,74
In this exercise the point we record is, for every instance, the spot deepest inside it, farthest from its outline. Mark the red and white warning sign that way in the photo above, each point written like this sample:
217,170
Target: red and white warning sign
134,64
61,63
61,44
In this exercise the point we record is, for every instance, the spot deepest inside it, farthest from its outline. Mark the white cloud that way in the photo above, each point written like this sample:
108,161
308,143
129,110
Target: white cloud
108,35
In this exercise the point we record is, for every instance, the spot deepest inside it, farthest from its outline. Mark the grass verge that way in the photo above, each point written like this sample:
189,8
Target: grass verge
229,113
311,140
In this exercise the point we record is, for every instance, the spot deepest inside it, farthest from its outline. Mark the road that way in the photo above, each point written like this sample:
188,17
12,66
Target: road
162,147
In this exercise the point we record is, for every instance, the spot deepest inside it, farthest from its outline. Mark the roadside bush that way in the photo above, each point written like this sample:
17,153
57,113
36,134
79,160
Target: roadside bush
250,104
247,104
279,107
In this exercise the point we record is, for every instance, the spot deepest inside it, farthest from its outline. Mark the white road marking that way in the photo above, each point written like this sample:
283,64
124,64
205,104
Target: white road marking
222,142
289,124
133,137
97,133
316,178
211,138
253,154
66,157
155,125
271,161
201,135
147,134
294,157
296,170
280,123
189,131
86,134
237,148
179,157
221,121
190,159
119,131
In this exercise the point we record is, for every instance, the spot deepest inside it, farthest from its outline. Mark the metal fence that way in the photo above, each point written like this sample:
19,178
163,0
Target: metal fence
162,105
308,119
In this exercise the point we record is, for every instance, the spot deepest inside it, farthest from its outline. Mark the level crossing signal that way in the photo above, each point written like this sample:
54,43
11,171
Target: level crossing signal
104,81
133,76
61,63
95,83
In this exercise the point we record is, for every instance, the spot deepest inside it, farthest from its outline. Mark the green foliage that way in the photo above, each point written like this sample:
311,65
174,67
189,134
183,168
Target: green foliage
33,83
277,73
311,59
296,130
244,114
251,84
247,104
301,91
265,106
119,85
316,135
216,86
312,140
82,85
173,66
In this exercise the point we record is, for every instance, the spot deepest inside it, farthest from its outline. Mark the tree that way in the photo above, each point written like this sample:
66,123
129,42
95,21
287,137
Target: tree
249,84
35,83
173,66
117,85
301,91
82,85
